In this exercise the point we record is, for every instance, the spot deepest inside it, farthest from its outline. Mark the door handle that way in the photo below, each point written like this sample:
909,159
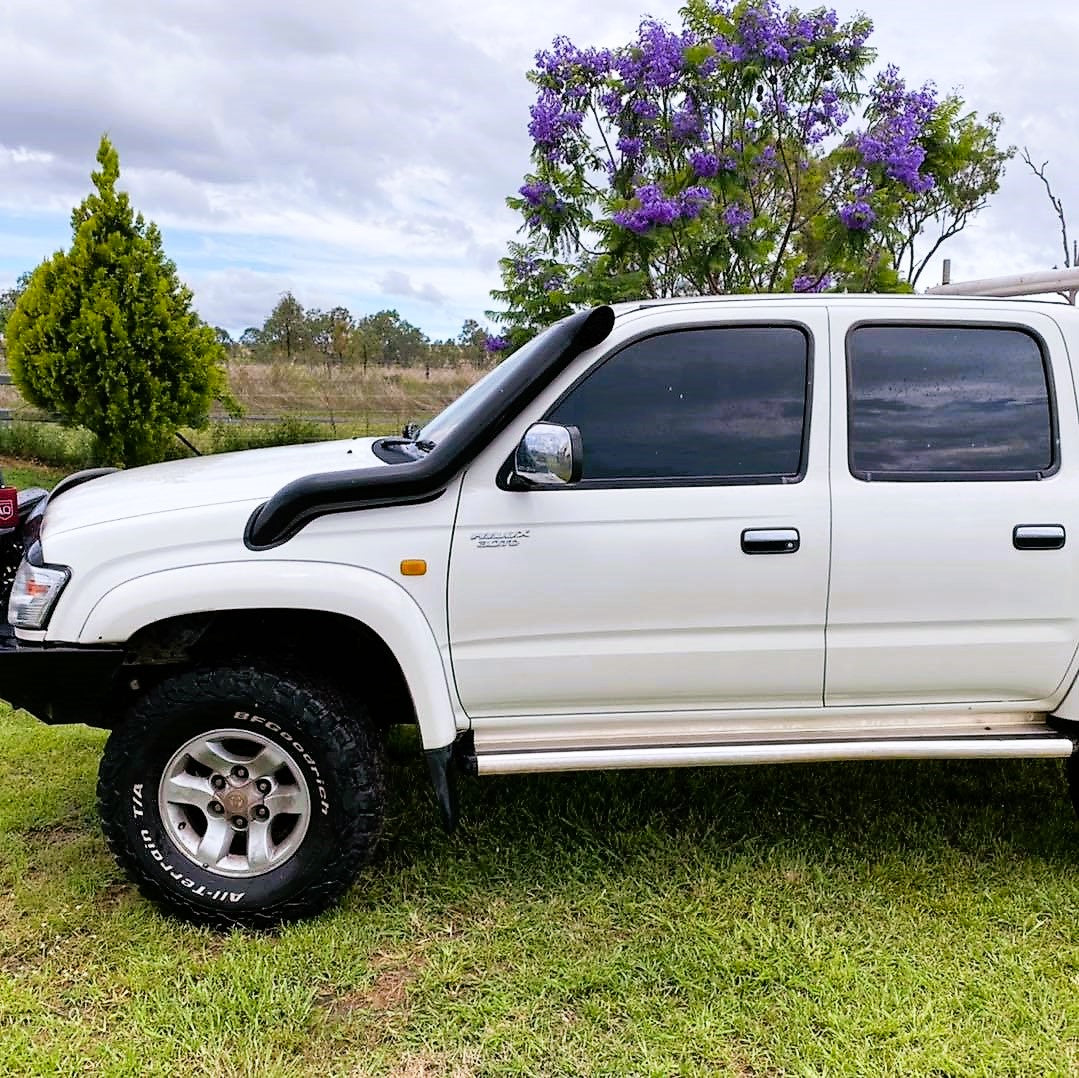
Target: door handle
770,541
1038,536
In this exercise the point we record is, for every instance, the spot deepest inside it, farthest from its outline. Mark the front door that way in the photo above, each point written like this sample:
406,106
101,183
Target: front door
688,568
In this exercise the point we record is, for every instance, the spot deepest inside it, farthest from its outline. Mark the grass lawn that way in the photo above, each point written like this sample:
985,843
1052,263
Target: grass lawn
901,918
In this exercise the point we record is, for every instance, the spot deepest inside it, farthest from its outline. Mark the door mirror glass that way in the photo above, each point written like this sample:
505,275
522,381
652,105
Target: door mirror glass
549,456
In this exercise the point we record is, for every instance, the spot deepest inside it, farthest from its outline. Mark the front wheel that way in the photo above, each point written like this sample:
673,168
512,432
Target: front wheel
237,796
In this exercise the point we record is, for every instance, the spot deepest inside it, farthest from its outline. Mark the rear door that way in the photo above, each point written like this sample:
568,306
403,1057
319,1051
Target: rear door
955,509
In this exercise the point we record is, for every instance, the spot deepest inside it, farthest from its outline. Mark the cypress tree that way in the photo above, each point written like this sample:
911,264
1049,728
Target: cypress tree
105,335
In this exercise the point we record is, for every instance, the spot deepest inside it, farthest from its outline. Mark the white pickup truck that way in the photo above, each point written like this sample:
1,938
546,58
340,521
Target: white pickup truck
682,533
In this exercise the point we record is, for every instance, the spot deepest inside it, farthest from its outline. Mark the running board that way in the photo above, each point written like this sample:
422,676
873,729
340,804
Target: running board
967,748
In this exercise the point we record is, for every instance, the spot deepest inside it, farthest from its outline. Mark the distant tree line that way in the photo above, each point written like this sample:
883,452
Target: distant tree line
336,337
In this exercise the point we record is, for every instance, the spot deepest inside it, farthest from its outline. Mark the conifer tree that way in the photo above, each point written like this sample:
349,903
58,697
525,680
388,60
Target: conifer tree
105,335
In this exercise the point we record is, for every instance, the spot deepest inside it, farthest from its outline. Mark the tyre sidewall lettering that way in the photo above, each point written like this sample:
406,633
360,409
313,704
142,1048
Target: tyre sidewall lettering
318,785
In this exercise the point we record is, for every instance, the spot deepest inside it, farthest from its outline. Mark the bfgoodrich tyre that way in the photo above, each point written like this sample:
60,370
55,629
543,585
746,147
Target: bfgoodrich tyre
237,796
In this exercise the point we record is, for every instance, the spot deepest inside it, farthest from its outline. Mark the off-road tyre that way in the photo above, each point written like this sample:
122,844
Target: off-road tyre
335,750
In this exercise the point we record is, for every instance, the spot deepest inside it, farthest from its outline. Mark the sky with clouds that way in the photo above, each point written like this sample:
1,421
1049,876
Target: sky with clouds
360,154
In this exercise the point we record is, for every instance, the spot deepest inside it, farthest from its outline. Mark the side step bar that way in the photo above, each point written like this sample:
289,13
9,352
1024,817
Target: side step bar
967,748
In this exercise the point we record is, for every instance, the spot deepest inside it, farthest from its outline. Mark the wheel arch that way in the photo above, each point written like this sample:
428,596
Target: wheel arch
333,616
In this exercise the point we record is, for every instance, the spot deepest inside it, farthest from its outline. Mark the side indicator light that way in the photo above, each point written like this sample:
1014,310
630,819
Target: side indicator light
413,567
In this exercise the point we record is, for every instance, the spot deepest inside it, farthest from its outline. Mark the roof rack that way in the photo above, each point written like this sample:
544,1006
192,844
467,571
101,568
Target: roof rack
1062,282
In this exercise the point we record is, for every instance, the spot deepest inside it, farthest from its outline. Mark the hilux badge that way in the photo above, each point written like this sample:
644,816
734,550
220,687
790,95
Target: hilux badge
492,539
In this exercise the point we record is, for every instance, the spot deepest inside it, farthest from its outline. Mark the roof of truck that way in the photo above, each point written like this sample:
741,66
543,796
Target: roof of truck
834,299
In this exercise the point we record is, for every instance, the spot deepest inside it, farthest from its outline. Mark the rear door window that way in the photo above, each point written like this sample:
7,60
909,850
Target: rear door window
947,403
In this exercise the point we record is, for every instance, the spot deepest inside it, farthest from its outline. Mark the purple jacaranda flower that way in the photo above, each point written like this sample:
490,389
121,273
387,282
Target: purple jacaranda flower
551,122
826,116
728,50
645,108
777,104
707,165
540,195
495,344
857,215
536,193
543,275
767,33
657,59
654,209
564,60
630,147
766,158
736,218
813,282
704,164
693,200
899,118
686,123
611,100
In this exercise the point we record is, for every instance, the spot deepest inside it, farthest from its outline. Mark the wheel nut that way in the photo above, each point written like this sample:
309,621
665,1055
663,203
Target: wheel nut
239,822
261,812
217,808
240,771
218,782
264,786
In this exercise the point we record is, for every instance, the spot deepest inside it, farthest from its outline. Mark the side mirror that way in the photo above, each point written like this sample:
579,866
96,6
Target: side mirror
549,456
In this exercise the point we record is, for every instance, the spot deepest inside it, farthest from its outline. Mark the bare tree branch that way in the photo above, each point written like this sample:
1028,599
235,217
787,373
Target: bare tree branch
1055,202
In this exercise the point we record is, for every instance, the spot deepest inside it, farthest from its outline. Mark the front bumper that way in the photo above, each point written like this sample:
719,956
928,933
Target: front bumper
59,682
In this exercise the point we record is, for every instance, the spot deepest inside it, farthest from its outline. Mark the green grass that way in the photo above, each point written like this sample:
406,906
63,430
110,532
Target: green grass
21,474
47,444
896,918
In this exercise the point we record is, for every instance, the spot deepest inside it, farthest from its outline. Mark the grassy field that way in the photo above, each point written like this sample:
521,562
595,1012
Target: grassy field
849,919
383,397
890,919
381,400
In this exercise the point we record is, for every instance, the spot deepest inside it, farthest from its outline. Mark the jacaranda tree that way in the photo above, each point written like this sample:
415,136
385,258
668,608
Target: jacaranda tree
745,151
104,334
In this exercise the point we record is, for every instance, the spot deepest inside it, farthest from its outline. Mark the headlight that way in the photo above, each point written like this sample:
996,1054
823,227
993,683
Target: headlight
34,593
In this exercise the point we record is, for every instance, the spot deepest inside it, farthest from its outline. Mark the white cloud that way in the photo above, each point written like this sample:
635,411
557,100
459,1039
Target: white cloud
396,283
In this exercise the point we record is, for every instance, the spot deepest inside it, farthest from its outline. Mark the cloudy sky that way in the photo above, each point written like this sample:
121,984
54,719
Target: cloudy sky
359,153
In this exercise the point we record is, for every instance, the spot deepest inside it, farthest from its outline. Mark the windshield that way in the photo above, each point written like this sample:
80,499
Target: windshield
479,398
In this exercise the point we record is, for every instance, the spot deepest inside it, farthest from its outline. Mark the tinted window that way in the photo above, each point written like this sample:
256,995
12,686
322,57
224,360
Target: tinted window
948,401
723,403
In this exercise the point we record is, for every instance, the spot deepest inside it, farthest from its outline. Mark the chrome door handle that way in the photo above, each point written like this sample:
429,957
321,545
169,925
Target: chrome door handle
770,541
1038,536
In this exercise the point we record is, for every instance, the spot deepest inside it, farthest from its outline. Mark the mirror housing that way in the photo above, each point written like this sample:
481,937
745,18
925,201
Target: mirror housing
548,456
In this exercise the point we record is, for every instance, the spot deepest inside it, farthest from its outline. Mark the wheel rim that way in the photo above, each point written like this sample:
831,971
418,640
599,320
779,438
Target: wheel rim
234,802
